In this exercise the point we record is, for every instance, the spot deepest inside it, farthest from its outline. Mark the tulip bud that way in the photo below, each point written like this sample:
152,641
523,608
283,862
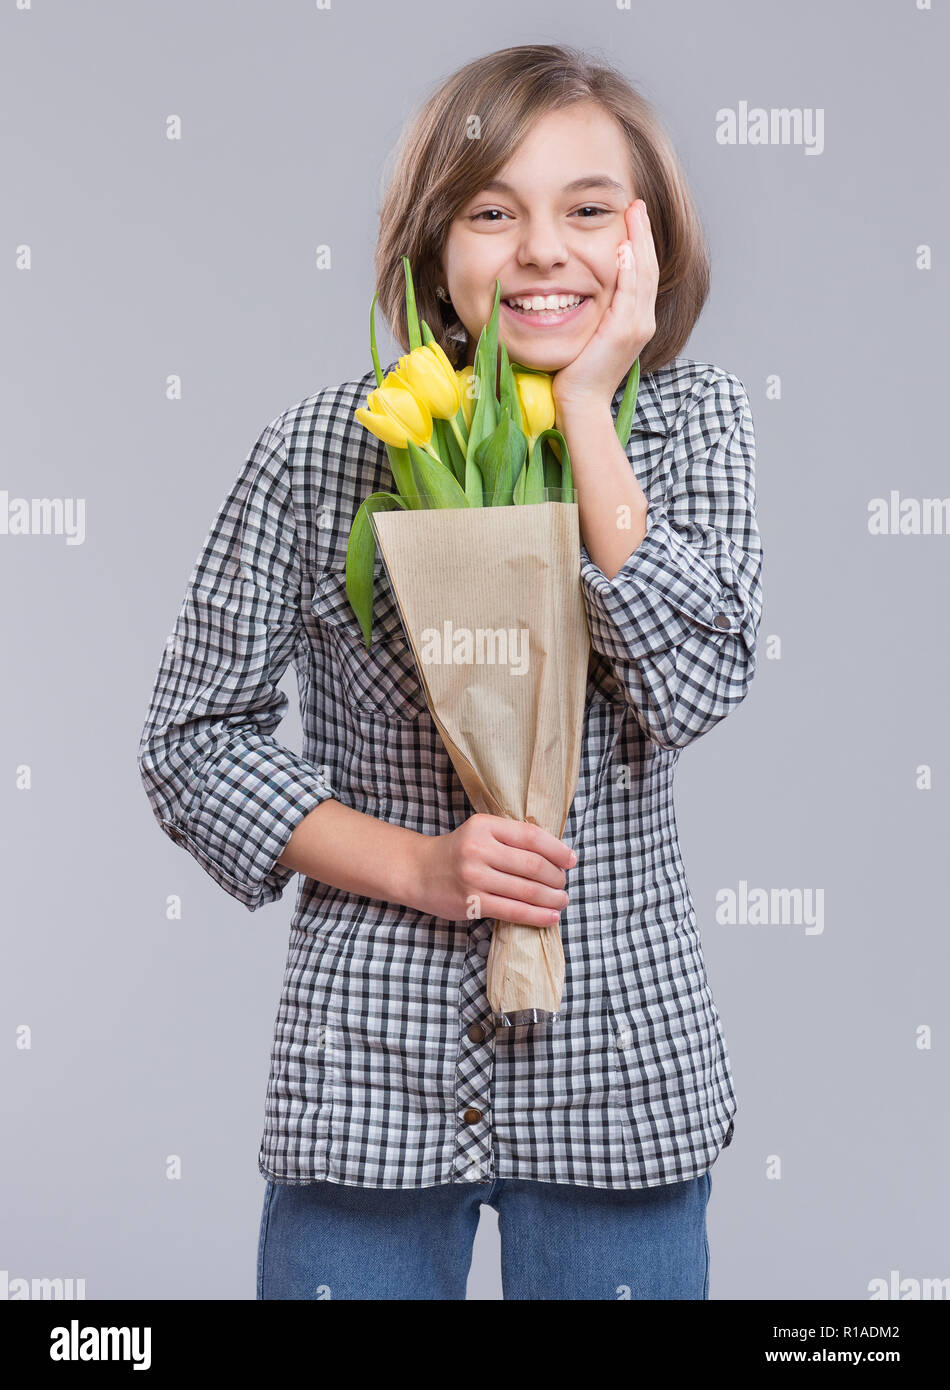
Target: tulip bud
430,376
466,379
395,414
537,402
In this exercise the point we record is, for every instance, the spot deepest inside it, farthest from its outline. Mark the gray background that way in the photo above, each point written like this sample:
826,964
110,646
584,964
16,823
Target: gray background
149,257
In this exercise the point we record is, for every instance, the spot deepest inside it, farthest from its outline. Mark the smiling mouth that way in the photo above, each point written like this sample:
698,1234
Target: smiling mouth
561,313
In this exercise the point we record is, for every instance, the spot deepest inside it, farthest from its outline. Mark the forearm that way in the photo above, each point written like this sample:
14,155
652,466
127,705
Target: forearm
612,506
347,849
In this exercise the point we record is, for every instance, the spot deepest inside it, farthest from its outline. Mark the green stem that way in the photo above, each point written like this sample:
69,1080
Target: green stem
462,441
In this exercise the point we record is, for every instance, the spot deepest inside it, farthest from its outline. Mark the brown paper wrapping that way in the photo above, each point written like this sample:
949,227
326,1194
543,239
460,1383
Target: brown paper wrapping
514,739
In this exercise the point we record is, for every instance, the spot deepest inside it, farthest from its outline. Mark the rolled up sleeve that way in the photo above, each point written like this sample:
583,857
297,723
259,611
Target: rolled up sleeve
679,620
219,784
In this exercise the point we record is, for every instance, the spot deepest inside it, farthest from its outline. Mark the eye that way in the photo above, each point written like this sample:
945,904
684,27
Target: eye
487,213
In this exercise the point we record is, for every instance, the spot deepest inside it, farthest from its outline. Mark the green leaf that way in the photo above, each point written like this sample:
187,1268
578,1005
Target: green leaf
361,556
534,477
532,371
372,340
474,486
484,416
401,469
492,341
500,458
412,318
509,390
517,492
561,472
628,404
485,369
552,465
447,447
435,482
567,477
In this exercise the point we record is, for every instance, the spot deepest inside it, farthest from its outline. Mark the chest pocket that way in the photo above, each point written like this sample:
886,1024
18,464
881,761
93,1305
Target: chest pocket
382,681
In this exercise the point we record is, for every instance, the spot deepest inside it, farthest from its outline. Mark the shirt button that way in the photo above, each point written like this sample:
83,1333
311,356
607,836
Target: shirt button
472,1116
721,620
476,1033
484,946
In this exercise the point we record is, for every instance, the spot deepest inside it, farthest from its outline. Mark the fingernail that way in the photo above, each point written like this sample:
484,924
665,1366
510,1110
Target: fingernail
573,858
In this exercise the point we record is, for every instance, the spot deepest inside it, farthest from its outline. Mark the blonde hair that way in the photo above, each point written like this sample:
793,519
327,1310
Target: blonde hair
438,169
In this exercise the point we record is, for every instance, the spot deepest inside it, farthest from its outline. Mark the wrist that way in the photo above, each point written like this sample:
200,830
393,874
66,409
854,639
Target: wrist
413,871
581,415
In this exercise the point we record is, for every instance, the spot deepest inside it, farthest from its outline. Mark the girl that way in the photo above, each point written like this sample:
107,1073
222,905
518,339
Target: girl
395,1107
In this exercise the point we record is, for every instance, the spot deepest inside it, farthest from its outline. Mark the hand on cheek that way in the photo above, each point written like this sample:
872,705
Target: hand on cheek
626,327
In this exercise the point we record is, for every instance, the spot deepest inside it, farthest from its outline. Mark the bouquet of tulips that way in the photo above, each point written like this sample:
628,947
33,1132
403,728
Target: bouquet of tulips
481,545
458,439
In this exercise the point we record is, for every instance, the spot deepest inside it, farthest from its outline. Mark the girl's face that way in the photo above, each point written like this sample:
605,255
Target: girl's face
550,223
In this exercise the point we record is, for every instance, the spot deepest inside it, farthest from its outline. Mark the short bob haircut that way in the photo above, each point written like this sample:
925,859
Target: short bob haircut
438,168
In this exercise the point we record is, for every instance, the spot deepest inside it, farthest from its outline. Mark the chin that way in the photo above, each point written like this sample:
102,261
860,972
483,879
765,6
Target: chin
541,361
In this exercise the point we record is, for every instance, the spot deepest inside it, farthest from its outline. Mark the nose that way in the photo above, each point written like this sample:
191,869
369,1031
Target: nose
542,243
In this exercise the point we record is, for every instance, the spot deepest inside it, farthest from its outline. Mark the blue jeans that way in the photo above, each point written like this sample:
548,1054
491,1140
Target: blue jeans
558,1241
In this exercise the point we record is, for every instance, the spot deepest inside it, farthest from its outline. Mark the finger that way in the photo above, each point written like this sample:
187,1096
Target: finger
638,271
626,267
644,243
632,218
529,891
629,252
525,864
511,910
525,835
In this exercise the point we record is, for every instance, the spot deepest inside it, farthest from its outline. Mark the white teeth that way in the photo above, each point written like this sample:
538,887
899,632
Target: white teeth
542,303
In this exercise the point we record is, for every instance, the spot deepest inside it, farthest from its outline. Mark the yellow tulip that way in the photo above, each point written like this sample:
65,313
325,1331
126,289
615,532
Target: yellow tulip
395,414
430,376
382,426
465,377
537,402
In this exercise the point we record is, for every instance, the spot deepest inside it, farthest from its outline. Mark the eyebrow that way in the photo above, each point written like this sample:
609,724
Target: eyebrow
586,181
